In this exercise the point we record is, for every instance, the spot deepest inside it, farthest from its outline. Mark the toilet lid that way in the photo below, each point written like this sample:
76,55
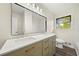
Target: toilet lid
60,40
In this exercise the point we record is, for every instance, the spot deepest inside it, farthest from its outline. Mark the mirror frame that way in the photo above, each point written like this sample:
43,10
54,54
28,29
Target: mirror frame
32,12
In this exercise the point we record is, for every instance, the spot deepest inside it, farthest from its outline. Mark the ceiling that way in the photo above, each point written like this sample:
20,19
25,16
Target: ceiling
58,8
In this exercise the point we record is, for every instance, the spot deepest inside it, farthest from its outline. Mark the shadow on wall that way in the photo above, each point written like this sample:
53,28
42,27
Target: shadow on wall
2,43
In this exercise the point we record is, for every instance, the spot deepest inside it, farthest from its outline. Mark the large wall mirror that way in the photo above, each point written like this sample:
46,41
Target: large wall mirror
25,21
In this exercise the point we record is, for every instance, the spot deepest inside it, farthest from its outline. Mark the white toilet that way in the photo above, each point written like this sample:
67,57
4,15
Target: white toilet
59,43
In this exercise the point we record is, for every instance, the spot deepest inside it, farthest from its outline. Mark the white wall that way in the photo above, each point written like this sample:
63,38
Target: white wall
70,35
5,22
50,22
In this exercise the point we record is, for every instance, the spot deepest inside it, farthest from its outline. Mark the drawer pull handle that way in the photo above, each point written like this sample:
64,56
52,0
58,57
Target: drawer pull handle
29,49
26,50
46,47
46,41
32,47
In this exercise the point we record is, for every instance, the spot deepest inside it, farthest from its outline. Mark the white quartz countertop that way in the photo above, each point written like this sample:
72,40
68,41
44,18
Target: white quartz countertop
14,44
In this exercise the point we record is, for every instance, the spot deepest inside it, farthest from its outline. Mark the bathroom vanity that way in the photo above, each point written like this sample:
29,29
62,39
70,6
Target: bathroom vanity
29,36
37,45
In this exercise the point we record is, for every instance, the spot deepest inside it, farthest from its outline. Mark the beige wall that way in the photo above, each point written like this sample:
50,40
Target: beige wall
5,22
50,23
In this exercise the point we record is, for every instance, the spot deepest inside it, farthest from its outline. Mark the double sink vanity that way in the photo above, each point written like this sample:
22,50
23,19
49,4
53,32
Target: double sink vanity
24,41
42,44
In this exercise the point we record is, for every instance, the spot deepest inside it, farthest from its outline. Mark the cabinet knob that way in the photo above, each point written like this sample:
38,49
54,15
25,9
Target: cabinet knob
29,49
26,50
46,47
32,47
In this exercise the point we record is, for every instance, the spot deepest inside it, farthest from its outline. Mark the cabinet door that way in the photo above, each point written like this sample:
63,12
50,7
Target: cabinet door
46,51
54,44
50,46
45,47
38,49
45,43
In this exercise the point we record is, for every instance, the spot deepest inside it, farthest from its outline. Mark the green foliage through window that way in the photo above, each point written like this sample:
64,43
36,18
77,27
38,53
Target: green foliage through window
63,22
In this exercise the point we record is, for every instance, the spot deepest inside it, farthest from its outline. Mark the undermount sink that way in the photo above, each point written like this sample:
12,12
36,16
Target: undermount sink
24,39
37,36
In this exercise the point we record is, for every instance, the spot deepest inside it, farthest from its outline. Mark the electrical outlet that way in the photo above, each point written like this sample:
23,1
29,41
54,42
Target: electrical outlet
69,43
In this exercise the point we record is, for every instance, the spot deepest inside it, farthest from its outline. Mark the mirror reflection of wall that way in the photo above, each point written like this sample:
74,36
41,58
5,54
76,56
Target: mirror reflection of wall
38,23
28,22
34,23
17,20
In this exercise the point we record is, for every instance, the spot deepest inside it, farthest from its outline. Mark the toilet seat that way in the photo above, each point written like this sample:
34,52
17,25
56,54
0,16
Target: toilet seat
60,40
59,43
